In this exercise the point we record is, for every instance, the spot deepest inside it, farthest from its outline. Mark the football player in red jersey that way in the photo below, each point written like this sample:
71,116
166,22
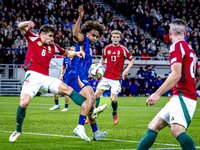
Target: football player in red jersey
115,54
40,52
179,111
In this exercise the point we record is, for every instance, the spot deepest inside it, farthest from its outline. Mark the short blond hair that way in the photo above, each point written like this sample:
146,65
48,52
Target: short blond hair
116,32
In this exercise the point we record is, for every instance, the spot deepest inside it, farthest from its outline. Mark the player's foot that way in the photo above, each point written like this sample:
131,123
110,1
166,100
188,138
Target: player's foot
98,110
55,107
97,135
87,121
115,119
81,133
13,137
64,109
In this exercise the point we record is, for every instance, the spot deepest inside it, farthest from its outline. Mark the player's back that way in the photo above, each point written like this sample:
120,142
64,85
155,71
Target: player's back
183,53
81,66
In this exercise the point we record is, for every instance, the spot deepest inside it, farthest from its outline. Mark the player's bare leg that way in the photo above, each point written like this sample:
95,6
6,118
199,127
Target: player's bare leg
66,103
88,94
21,112
184,139
96,133
114,105
153,128
96,104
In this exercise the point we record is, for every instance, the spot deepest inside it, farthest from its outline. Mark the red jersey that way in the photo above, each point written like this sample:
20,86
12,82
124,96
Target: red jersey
182,52
115,61
39,56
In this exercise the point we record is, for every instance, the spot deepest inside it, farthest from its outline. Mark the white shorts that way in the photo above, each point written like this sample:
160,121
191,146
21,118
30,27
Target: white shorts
173,111
35,82
105,84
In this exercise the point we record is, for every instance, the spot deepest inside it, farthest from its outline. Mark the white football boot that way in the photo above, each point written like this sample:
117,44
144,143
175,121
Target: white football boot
64,109
13,137
80,131
97,111
55,107
97,135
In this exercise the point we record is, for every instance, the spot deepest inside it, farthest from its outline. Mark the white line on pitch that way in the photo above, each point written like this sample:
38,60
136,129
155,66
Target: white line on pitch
150,107
78,137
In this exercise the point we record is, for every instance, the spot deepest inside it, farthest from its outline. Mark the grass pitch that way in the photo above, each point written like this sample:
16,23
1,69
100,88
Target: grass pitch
44,129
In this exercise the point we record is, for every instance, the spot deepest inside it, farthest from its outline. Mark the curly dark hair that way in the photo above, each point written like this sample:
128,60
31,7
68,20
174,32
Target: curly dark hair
89,25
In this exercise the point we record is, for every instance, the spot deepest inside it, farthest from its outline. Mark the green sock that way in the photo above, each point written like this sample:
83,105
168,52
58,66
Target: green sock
77,98
186,141
21,112
114,107
147,140
97,102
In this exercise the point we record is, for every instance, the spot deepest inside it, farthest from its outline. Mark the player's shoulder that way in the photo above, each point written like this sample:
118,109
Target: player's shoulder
178,45
123,47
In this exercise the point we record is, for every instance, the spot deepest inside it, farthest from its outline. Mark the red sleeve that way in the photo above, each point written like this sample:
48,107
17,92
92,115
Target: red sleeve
58,49
197,65
30,35
176,53
104,53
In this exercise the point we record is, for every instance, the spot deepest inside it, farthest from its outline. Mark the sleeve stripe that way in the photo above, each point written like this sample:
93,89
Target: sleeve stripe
182,50
33,38
82,39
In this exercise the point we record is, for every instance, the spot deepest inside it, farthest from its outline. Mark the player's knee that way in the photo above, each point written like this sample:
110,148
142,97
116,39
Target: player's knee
23,103
64,89
150,125
174,132
97,95
113,99
91,98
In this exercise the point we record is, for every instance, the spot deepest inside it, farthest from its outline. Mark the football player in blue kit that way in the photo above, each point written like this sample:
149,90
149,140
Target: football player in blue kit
151,81
77,77
63,76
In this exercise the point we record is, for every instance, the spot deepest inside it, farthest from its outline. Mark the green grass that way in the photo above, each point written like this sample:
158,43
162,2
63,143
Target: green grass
44,129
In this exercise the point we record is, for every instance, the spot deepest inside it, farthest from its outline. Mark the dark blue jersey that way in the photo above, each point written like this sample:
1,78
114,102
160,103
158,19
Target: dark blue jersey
125,83
66,65
146,75
152,74
158,83
81,66
94,82
140,74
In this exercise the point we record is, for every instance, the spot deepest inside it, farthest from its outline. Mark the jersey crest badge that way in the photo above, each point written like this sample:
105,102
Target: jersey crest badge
39,43
49,48
118,53
109,52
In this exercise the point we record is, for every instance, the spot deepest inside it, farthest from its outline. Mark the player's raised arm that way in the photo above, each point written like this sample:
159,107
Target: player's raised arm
77,36
23,26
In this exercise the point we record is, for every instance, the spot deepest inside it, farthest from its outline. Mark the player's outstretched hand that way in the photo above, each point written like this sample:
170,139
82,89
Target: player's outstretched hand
124,74
152,99
81,54
31,24
80,11
61,78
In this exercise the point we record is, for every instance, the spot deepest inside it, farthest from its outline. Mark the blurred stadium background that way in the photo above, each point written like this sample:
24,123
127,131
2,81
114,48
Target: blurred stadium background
144,25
